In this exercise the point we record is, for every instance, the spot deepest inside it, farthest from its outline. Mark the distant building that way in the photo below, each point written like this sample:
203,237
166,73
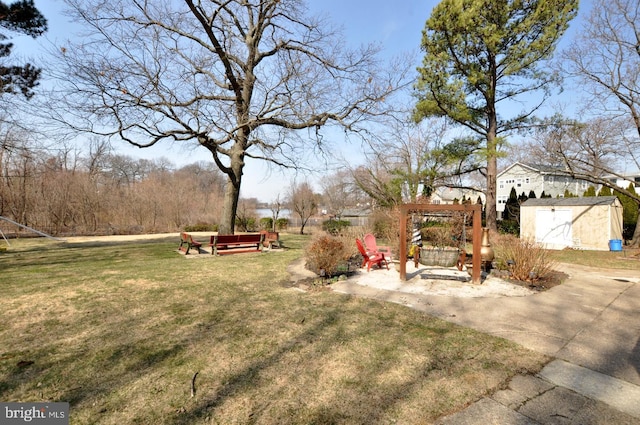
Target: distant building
624,180
551,180
449,196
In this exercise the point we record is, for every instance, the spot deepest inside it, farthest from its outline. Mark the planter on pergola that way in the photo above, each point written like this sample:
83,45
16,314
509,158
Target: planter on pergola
475,210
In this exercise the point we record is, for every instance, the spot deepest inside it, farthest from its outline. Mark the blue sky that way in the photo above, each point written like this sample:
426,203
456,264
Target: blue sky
396,25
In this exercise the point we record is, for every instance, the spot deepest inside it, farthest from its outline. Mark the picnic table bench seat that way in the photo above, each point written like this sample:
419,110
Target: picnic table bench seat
233,244
187,242
270,239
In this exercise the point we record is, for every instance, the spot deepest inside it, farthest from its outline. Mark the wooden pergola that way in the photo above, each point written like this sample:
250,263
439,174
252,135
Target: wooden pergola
474,209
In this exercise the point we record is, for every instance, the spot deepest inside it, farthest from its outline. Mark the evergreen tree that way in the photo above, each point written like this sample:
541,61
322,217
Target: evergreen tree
629,212
522,198
483,52
20,17
591,191
512,207
605,191
532,194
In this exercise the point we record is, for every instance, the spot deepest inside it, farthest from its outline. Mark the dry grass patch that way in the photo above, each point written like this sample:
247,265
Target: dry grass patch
119,332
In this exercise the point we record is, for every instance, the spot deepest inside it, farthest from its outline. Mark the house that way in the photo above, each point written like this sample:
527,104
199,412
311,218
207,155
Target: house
449,196
552,180
580,223
624,180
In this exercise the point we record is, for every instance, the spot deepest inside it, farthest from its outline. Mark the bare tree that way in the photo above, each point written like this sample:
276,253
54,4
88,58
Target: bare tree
337,191
605,57
276,207
409,160
304,202
239,78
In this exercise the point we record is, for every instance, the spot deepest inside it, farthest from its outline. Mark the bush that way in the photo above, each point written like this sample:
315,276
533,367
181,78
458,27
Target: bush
627,231
266,223
510,227
526,260
335,227
326,253
201,227
282,223
348,238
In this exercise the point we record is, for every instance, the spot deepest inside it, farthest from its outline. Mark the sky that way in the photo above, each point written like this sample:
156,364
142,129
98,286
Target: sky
396,25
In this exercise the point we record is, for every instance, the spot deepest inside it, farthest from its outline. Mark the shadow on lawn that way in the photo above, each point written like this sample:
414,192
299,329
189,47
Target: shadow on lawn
365,407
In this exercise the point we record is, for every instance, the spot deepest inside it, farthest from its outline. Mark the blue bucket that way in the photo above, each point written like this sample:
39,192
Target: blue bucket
615,245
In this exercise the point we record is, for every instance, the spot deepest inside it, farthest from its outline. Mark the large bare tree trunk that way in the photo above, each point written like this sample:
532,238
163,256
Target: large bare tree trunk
230,205
492,171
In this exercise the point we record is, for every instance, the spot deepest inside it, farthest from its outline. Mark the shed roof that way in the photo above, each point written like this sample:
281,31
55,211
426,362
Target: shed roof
570,202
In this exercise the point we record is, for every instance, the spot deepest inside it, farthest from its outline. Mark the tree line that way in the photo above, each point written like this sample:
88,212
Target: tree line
102,192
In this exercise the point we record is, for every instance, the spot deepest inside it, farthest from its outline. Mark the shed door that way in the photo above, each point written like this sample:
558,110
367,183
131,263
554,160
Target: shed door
554,227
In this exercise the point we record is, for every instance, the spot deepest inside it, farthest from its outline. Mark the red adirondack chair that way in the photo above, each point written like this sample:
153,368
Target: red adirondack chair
371,258
372,247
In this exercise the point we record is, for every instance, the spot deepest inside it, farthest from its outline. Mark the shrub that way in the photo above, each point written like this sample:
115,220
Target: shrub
526,260
266,223
326,253
201,227
335,227
282,223
348,238
511,227
438,236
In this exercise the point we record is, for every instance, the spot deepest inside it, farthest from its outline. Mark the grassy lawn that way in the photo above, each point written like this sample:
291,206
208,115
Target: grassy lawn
628,259
119,331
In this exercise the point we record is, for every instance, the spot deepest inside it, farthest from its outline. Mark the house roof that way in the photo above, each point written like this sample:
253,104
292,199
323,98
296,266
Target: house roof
569,202
541,168
451,193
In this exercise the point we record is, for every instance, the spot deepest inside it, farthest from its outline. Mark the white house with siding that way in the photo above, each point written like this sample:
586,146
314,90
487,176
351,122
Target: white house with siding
537,178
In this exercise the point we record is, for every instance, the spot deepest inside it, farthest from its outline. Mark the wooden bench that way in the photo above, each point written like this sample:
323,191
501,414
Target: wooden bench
187,242
233,244
270,239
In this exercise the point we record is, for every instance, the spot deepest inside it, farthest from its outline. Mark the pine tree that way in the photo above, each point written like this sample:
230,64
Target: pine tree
629,211
512,207
20,17
605,191
532,194
591,191
483,52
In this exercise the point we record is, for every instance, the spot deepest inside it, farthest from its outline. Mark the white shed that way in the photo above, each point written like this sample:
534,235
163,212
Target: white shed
581,223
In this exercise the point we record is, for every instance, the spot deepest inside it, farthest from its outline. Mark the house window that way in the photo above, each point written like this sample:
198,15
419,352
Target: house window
519,182
501,184
526,180
550,179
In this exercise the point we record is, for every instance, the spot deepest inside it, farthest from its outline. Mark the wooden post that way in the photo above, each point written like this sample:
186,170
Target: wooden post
403,242
476,261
